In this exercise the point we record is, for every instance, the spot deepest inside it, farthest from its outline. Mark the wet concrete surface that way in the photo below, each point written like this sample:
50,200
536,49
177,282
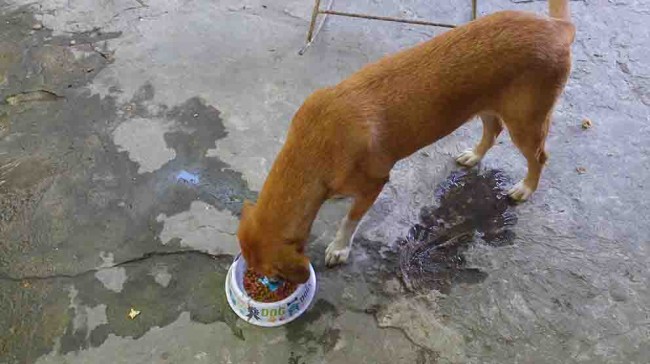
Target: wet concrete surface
473,207
131,132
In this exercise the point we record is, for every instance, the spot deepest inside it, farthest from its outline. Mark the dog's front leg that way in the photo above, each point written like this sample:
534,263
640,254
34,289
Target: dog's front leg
338,251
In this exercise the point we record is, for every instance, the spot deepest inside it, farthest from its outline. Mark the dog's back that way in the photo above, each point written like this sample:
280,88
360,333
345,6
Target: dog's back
419,95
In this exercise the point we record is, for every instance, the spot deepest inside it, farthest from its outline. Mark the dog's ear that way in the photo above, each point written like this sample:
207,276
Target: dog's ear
292,265
246,232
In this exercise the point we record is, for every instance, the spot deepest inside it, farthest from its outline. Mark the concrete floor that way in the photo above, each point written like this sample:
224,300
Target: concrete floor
133,129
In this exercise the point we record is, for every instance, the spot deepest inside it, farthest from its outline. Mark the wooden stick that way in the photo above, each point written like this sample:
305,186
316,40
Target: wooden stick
385,18
312,23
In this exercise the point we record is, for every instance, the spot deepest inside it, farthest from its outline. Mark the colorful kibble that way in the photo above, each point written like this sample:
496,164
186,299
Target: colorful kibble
261,293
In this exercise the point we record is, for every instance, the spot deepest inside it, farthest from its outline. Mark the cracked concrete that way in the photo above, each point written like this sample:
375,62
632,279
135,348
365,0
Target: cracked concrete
132,130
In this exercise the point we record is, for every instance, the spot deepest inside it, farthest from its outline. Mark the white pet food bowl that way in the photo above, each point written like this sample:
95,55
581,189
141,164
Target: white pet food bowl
267,314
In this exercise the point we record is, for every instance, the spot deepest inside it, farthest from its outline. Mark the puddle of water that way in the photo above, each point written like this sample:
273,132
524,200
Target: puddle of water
473,207
187,177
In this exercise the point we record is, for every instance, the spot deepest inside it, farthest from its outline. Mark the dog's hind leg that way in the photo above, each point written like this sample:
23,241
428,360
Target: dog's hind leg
528,118
529,136
492,127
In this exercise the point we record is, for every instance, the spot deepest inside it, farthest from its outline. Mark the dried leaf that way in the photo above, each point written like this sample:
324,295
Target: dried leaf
133,313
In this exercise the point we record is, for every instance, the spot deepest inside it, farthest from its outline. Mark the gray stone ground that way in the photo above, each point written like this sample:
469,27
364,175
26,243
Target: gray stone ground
131,131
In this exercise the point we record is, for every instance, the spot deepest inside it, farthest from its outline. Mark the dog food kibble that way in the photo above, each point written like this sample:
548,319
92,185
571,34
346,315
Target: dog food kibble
261,293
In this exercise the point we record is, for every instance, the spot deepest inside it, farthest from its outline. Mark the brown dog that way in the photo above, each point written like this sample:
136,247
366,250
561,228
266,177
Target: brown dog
508,68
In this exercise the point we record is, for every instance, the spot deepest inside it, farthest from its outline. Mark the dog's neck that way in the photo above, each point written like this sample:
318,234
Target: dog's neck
289,200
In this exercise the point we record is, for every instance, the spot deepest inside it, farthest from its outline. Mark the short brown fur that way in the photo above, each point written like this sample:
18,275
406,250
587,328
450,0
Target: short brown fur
509,68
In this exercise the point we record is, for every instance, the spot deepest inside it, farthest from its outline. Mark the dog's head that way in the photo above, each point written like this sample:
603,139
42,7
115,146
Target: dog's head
267,252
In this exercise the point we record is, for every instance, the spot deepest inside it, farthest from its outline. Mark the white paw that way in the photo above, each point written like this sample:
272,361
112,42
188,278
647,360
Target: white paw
520,192
468,158
336,254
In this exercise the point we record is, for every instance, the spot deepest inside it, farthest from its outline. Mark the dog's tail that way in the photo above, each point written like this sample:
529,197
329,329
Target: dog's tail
559,9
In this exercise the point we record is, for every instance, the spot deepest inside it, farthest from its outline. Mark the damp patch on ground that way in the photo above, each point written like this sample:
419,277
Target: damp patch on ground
78,172
71,196
472,207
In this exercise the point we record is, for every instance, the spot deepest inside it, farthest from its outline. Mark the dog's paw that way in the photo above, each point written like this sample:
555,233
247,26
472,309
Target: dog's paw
336,254
468,158
520,192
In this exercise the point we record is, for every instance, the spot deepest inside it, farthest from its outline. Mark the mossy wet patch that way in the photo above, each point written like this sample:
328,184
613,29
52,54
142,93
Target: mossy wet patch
23,174
80,312
5,125
195,286
96,193
32,96
90,196
33,316
69,195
